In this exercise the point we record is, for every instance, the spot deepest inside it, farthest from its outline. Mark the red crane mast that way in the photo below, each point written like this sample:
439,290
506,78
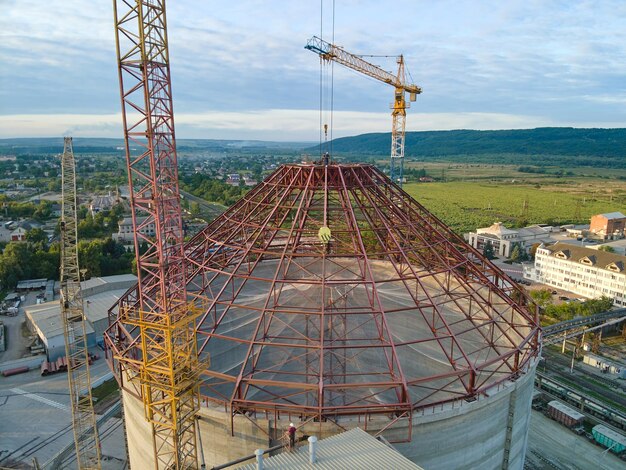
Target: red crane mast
160,317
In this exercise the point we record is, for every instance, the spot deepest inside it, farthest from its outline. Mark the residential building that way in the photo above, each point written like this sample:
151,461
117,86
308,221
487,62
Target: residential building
608,226
583,271
18,235
503,239
125,230
233,179
101,204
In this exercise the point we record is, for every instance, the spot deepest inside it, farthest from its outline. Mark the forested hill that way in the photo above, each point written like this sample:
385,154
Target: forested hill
592,147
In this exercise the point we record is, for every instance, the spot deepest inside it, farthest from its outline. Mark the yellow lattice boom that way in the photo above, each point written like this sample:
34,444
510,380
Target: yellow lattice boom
73,317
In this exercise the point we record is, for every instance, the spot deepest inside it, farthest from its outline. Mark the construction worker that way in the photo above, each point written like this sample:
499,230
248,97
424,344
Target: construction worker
292,435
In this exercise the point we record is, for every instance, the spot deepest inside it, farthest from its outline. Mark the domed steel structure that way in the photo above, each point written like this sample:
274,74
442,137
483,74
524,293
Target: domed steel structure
329,291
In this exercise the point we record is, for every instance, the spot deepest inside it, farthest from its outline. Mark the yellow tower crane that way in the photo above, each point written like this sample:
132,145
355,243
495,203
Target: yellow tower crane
331,52
72,312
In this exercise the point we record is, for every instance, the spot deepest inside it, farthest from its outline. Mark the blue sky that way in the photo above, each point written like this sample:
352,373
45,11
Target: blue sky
240,70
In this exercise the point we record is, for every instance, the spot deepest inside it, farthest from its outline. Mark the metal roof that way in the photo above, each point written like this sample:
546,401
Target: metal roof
47,319
566,410
608,432
613,215
350,449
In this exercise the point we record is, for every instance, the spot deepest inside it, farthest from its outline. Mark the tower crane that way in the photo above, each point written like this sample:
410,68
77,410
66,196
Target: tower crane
84,425
163,319
331,52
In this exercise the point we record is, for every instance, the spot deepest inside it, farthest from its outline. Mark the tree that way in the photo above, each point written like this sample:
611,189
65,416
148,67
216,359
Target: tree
542,297
607,248
37,235
90,257
515,253
16,264
533,250
488,251
194,209
518,253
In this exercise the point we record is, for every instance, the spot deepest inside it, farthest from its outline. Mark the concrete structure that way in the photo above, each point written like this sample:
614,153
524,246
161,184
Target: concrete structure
463,435
608,226
333,300
31,284
584,271
351,449
125,230
99,295
503,239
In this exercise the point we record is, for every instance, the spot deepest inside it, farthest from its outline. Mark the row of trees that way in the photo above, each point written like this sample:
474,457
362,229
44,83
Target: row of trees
30,210
211,189
569,310
35,259
518,252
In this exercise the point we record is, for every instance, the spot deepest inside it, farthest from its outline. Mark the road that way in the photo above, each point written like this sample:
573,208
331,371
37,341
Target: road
208,209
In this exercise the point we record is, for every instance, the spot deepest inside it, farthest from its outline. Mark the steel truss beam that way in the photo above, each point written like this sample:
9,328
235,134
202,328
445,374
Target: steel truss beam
314,326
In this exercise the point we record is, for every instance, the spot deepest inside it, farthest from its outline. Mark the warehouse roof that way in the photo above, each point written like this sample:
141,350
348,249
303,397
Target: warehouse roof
47,318
99,293
350,449
613,215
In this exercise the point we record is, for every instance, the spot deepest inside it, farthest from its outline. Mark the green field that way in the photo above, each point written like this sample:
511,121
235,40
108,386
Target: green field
468,205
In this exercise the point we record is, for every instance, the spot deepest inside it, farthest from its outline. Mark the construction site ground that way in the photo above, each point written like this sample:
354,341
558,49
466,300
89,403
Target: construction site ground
36,421
551,446
17,335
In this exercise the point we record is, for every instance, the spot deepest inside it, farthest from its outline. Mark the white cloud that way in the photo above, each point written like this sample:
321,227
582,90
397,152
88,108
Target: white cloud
523,62
273,124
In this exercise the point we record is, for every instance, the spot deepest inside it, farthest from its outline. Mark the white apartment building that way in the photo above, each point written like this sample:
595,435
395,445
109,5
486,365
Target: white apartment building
583,271
125,230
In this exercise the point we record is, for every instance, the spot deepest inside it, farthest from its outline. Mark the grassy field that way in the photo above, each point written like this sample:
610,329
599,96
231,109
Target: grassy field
466,205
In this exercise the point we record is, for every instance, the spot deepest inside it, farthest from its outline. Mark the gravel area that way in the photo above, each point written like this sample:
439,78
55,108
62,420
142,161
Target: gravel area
553,446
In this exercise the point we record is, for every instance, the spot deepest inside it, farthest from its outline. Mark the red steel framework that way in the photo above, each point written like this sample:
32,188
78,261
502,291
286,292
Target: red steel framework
391,313
158,321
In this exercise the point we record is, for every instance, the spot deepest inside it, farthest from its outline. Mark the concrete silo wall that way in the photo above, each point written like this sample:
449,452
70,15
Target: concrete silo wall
467,435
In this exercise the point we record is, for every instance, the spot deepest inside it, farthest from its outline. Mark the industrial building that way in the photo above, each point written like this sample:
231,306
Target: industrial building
585,271
330,298
45,321
99,294
503,239
608,226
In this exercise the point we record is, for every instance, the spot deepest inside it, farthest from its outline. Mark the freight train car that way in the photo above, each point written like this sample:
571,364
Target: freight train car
610,439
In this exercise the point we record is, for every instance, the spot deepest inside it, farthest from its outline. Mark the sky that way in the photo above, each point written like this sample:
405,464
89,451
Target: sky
240,71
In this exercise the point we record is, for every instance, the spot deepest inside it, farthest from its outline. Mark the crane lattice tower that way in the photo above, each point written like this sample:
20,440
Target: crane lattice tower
73,316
